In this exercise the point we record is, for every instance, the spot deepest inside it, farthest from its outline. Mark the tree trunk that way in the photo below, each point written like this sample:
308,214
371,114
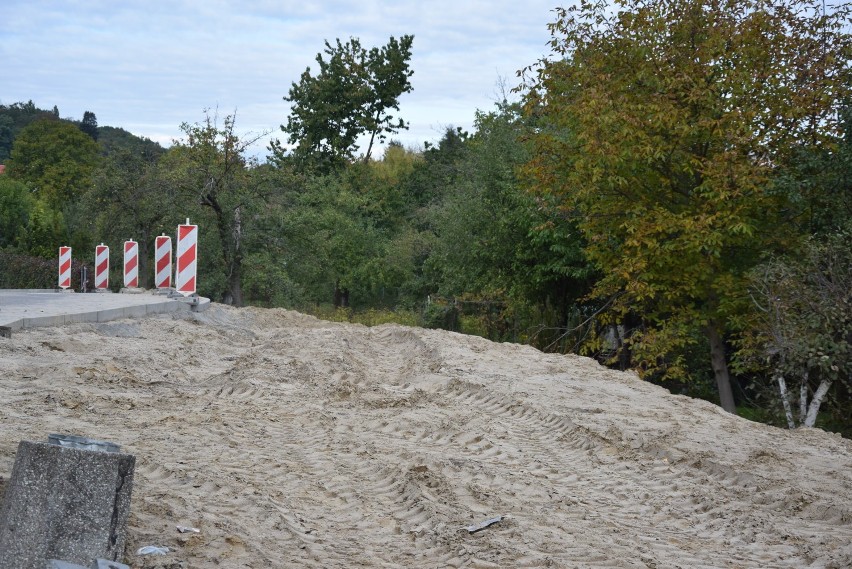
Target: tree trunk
235,275
803,398
372,138
823,388
720,368
144,253
628,324
341,296
788,411
230,235
235,286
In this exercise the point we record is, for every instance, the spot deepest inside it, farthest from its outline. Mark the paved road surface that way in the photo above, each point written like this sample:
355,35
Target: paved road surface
32,308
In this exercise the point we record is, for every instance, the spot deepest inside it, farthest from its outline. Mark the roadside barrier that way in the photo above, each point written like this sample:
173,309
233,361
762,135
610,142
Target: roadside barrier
101,267
65,267
186,258
163,262
185,266
131,264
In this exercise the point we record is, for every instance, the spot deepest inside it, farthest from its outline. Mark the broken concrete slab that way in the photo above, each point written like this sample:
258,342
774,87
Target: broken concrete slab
65,503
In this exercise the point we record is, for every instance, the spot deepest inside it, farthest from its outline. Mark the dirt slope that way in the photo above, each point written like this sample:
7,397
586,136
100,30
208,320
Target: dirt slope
291,442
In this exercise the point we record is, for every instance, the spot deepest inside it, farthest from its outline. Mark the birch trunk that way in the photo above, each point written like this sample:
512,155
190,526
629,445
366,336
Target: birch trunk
782,388
803,398
823,388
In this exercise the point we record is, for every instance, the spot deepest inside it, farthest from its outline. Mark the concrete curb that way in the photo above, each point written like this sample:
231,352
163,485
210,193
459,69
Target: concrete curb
49,308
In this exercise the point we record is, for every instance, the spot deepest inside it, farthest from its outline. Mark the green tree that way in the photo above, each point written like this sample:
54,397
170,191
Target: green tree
664,124
352,94
333,229
803,328
15,117
211,165
818,182
132,198
498,246
55,159
16,205
46,231
6,137
89,125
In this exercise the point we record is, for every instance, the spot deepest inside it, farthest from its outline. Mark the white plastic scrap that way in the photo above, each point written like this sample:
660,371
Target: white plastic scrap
482,525
185,529
152,550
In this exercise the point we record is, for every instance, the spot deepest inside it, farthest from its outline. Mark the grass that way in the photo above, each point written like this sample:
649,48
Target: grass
370,317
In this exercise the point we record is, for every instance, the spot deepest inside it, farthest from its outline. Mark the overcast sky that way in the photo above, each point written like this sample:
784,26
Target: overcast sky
148,66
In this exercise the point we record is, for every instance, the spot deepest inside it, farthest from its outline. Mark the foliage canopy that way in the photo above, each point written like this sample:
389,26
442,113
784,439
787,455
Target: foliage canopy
663,126
352,94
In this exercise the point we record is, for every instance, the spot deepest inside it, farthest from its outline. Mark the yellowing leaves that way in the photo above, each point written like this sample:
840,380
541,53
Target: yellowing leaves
680,113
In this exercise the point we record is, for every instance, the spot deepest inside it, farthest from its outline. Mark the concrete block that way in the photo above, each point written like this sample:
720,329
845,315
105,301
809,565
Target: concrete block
110,314
137,311
65,503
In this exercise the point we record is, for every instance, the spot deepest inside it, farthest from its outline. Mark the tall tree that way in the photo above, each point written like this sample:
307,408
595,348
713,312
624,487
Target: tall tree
212,165
508,253
664,123
89,125
352,94
56,159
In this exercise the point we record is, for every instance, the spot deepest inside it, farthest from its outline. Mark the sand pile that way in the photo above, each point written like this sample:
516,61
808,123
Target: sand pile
292,442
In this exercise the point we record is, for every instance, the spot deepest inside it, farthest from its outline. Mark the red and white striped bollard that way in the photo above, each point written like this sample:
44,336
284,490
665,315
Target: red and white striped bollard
131,264
65,268
163,262
101,267
187,257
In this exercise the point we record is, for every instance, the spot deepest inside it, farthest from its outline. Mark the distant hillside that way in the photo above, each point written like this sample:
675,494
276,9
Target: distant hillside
15,117
113,138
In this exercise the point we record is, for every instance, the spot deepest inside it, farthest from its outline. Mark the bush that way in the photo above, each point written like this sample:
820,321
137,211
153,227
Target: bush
25,271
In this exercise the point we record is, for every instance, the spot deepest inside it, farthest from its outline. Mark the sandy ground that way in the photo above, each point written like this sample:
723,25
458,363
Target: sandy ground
291,442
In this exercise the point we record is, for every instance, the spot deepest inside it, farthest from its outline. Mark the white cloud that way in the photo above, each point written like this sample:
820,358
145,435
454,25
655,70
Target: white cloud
148,66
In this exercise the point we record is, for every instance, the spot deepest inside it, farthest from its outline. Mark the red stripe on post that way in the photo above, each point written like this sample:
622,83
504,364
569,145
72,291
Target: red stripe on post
187,257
